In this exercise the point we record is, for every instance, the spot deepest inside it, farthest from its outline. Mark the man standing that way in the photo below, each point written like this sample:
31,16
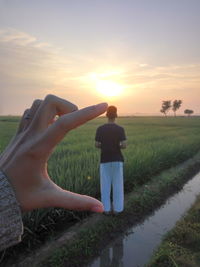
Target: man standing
110,138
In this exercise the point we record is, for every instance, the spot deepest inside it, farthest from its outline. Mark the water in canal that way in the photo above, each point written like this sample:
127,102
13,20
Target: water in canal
136,246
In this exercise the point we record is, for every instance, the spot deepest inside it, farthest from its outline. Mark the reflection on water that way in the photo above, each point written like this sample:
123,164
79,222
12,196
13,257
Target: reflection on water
113,256
136,246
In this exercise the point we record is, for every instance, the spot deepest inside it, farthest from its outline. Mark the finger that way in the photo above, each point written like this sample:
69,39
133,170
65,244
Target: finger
51,106
72,201
48,194
15,137
22,121
56,132
28,116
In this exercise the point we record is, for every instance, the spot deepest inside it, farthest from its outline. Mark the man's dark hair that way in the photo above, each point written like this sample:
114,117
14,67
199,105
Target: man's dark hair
111,112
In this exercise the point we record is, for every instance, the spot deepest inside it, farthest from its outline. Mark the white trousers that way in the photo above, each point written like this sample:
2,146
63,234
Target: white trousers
111,176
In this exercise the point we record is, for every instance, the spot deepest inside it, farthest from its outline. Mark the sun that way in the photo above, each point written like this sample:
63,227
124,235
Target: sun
107,83
109,88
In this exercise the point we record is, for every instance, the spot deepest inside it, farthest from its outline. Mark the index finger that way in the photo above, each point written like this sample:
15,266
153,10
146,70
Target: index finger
56,132
50,107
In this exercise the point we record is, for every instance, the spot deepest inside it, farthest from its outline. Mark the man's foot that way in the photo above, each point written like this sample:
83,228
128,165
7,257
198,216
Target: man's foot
107,212
116,213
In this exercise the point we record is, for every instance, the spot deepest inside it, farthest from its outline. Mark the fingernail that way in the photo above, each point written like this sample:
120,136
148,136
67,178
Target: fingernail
97,209
102,105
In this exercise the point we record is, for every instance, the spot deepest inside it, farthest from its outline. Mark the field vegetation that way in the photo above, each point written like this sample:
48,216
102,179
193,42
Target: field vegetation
92,237
154,144
180,246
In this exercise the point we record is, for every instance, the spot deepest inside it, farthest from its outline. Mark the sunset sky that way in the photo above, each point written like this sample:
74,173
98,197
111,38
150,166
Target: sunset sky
86,51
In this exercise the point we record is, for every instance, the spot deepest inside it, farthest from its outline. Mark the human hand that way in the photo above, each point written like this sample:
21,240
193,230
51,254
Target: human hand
25,159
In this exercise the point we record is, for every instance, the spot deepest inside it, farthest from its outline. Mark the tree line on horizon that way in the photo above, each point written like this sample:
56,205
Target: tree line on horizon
175,105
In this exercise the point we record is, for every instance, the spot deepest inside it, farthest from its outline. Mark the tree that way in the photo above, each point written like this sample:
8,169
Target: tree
176,105
166,105
188,112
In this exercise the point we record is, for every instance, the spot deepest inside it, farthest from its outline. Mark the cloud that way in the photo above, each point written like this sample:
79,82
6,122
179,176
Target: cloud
188,73
25,60
16,37
143,65
30,69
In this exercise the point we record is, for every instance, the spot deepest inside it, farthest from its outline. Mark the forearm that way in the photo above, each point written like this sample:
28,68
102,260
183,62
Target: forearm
11,226
97,144
122,145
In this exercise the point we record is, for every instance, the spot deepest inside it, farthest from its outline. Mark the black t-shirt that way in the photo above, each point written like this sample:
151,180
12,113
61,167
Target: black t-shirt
110,135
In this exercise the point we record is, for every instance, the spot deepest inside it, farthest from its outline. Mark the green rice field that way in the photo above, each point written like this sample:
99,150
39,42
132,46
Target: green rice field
154,144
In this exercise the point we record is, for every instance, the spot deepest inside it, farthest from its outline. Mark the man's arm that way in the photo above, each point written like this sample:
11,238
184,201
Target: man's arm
97,144
98,138
123,144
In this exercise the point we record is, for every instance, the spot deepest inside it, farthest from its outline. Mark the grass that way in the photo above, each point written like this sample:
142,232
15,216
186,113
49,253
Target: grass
93,237
154,144
181,246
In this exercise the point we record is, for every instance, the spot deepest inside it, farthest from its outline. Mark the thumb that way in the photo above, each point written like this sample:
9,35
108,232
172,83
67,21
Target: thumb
61,198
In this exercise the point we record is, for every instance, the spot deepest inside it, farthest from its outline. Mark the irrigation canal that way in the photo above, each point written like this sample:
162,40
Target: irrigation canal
136,246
